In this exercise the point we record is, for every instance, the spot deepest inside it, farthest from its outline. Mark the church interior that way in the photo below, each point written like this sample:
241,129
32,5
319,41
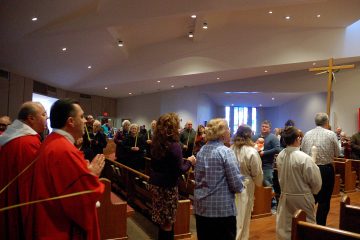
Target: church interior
137,60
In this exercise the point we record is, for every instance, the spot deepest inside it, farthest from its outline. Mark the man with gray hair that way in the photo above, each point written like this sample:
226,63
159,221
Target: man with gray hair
326,148
19,146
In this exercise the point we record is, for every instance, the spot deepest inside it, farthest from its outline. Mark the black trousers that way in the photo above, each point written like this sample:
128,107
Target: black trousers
215,228
324,196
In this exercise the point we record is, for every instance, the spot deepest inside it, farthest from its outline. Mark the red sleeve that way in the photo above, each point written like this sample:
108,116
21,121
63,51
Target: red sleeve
70,175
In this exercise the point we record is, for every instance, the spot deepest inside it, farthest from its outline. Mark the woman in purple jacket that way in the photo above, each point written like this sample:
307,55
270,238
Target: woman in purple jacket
167,166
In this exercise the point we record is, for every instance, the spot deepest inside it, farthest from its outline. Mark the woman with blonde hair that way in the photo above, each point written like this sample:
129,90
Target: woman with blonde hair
250,167
217,179
167,165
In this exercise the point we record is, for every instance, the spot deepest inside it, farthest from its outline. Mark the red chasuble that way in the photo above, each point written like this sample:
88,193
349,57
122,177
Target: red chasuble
61,169
16,155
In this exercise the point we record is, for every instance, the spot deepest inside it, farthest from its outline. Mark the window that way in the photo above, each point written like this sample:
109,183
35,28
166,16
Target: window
240,115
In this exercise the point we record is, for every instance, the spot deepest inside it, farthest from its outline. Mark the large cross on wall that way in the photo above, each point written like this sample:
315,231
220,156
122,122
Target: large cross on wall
330,69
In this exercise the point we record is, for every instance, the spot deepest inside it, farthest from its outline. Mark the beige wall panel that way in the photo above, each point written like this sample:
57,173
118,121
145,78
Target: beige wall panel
16,94
28,89
85,104
72,95
109,106
60,93
4,96
96,104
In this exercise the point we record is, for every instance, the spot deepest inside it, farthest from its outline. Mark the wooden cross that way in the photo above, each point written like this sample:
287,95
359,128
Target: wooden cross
330,70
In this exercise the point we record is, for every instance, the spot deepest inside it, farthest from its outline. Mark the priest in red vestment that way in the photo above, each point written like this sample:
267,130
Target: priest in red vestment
61,169
19,146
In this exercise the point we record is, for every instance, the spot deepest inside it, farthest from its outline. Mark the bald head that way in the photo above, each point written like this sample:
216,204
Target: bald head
34,115
4,122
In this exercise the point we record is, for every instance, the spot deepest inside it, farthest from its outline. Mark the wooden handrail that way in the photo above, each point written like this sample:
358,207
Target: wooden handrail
142,175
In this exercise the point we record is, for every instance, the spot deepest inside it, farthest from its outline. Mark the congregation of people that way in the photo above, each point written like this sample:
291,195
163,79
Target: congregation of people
55,182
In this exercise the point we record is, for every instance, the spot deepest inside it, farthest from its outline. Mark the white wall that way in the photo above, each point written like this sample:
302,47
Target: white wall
302,110
188,103
346,100
193,104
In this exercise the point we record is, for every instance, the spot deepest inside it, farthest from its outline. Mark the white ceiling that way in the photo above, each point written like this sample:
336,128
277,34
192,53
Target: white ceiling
238,44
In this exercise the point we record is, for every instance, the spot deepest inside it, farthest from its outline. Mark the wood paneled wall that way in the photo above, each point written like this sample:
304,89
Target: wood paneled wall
17,89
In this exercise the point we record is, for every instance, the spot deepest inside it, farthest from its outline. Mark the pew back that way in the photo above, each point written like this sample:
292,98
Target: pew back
349,216
302,230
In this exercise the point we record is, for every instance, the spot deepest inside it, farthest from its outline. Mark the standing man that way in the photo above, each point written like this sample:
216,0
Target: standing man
5,121
271,147
149,136
187,139
327,147
98,139
355,145
19,146
61,169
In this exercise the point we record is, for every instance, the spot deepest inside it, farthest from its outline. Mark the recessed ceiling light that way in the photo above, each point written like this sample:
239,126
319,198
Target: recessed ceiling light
266,71
130,93
217,78
232,104
191,35
318,15
270,12
64,49
89,67
205,26
158,81
260,105
273,98
106,88
287,17
120,43
172,86
314,63
34,19
193,16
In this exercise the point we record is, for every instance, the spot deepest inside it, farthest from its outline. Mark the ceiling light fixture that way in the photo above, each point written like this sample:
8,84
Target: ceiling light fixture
232,104
106,88
266,71
287,17
64,49
260,105
217,78
158,81
89,67
193,16
120,43
172,86
191,35
270,12
34,19
318,15
205,26
273,98
130,93
314,63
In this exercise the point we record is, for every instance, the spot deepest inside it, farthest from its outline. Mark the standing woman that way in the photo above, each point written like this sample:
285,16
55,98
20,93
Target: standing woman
200,139
217,179
167,165
250,167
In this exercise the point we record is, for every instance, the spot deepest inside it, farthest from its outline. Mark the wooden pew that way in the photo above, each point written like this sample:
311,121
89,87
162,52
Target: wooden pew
302,230
336,190
137,193
262,202
348,176
349,216
112,214
355,166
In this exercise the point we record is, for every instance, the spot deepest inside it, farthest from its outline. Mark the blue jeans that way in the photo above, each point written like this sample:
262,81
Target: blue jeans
268,177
